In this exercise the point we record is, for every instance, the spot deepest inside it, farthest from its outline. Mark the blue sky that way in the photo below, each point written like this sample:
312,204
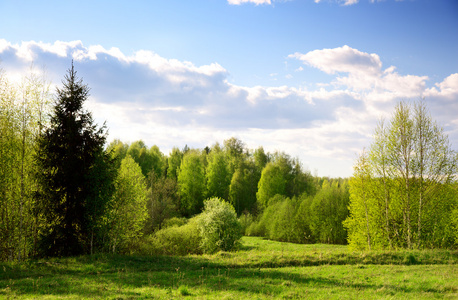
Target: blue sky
306,77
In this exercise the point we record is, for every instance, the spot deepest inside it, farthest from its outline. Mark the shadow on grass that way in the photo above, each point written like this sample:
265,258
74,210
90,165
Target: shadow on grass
107,276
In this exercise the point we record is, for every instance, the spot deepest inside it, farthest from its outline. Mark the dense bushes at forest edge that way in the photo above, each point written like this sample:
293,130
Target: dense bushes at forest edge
131,198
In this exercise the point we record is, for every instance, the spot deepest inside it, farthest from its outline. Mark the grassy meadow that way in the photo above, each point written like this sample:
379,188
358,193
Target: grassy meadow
261,269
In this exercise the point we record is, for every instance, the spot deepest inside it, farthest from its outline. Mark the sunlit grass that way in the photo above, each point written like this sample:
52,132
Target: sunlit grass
260,270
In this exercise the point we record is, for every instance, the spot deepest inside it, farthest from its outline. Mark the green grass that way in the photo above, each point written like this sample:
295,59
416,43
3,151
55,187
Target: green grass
260,270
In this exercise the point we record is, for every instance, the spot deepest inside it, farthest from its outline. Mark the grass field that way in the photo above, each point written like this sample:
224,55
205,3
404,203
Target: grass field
261,269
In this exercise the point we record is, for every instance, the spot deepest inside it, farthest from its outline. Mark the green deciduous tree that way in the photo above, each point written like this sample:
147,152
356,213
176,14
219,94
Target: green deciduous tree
162,201
272,182
139,152
359,223
191,183
327,212
218,175
118,151
158,161
23,110
174,163
399,183
235,151
128,212
243,187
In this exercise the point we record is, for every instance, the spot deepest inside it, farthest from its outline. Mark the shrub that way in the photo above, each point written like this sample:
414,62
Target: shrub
174,222
246,219
257,228
218,226
176,240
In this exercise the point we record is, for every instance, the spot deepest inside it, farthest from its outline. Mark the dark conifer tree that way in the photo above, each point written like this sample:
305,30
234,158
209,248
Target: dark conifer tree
75,174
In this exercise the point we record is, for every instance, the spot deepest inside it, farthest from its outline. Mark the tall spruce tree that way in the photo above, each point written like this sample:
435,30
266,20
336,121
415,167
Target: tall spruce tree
74,174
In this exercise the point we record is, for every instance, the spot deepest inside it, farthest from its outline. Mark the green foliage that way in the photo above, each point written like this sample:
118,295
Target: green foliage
401,193
69,156
139,152
283,176
118,151
176,240
243,187
454,227
23,113
174,163
328,211
235,151
215,229
218,226
191,183
174,221
150,160
128,212
305,219
281,223
260,158
245,220
272,182
217,175
162,202
158,161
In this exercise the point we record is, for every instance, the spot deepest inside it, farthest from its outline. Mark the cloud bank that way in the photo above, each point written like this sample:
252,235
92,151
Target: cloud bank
169,103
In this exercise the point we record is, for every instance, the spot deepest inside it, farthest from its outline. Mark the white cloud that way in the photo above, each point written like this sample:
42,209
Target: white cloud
362,72
343,2
447,88
343,59
257,2
350,2
172,103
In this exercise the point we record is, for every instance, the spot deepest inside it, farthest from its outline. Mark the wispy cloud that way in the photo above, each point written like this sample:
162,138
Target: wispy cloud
351,2
257,2
171,103
269,2
343,2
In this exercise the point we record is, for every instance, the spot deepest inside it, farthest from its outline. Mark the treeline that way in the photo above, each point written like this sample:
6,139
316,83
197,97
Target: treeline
64,191
312,217
177,184
271,192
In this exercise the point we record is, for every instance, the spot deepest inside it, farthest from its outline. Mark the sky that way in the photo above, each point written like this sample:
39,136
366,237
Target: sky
311,78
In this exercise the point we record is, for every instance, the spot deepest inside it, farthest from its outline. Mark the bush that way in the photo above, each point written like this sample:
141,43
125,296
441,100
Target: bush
246,219
218,226
257,228
176,240
174,222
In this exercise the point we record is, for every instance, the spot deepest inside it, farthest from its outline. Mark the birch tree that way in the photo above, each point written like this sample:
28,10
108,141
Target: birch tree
412,168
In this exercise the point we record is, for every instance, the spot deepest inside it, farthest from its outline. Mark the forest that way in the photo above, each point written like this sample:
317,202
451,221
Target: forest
65,190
